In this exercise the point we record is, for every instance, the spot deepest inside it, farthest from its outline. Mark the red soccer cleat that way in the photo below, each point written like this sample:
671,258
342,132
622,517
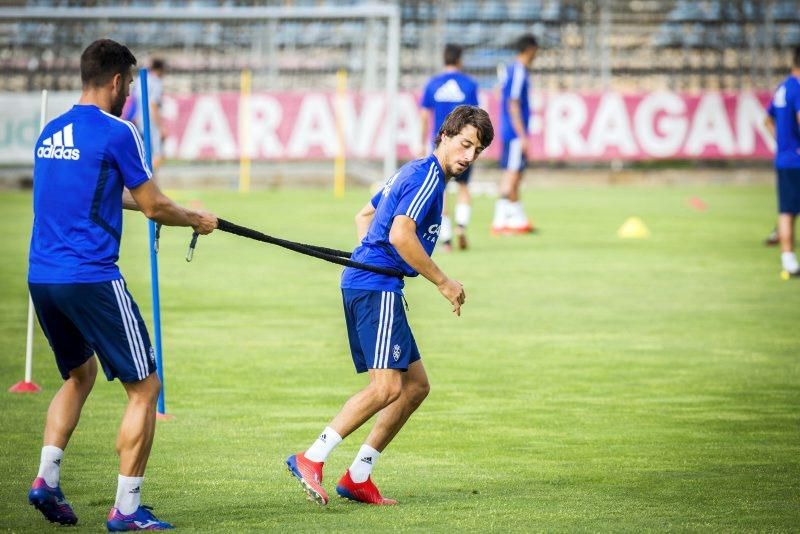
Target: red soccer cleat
365,492
310,476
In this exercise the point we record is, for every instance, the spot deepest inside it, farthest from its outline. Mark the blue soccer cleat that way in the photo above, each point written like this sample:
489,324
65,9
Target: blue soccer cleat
141,519
51,502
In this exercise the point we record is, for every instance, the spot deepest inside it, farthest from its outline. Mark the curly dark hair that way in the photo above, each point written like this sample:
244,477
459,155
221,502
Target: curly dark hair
467,115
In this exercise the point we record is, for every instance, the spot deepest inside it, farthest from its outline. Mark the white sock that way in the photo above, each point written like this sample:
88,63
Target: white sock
326,442
463,212
517,215
500,213
363,464
128,494
789,261
50,465
446,231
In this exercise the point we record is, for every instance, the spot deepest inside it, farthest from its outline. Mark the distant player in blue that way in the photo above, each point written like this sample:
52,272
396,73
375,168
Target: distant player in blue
442,94
509,216
398,229
783,120
83,161
155,98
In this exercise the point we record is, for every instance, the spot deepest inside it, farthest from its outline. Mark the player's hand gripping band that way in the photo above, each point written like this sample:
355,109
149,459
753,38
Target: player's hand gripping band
340,257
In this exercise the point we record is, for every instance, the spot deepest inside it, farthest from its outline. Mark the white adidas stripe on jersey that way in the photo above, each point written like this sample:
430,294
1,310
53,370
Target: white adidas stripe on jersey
516,82
137,140
429,179
428,191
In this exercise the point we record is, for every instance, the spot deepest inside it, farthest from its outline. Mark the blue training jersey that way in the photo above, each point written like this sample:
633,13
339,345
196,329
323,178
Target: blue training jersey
446,91
515,87
81,162
416,191
784,110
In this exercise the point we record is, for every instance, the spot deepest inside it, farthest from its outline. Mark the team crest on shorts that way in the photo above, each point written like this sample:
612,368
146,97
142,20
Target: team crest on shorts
152,354
396,352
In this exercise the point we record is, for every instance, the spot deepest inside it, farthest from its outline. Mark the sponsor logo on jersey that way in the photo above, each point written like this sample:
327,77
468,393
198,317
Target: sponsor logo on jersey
432,233
60,145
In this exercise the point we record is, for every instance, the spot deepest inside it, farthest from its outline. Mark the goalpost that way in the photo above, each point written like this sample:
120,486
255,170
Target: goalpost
248,50
271,48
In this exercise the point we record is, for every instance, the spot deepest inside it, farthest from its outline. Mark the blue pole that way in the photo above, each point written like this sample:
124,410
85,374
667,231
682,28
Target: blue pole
153,257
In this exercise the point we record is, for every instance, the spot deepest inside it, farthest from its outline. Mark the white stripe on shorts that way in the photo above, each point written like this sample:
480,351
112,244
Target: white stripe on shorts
136,346
514,162
388,336
380,329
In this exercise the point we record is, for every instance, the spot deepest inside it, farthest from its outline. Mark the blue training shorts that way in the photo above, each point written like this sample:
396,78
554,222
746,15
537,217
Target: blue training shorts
379,335
788,191
101,318
513,159
464,177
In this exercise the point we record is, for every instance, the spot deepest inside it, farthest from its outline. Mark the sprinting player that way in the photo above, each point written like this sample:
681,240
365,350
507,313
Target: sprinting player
782,120
83,160
442,94
398,229
509,216
155,98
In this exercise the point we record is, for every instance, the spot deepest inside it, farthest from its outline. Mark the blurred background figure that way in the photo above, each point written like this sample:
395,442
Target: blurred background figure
155,95
782,121
442,94
509,216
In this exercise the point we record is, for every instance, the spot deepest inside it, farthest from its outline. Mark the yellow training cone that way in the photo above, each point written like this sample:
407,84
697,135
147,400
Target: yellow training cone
633,228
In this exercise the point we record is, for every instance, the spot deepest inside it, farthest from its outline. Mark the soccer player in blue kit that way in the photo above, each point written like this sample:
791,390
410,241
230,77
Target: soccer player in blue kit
442,94
84,160
783,121
398,229
509,216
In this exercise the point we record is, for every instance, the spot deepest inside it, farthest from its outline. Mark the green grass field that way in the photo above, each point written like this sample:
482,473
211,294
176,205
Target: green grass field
592,383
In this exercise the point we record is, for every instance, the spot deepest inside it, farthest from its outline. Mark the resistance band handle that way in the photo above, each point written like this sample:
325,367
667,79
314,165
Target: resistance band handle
158,236
192,245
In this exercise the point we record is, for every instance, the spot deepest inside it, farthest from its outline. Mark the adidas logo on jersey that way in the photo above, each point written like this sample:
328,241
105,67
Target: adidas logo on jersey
59,146
449,92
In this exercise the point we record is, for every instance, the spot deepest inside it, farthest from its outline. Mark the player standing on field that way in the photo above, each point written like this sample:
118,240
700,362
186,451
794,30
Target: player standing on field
155,97
509,216
83,161
398,229
442,94
783,119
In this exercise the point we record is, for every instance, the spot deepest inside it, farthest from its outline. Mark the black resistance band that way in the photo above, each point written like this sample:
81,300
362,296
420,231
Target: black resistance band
340,257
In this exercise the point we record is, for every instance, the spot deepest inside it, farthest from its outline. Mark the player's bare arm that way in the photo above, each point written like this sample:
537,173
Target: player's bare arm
364,219
403,237
160,208
128,203
424,117
515,111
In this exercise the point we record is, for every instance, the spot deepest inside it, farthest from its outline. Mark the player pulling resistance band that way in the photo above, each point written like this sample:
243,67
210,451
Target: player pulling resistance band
83,160
398,229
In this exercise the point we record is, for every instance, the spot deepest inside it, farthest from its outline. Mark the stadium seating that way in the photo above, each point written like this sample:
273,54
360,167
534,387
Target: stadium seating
664,43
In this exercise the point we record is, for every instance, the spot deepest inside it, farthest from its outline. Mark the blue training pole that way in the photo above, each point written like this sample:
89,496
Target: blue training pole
145,103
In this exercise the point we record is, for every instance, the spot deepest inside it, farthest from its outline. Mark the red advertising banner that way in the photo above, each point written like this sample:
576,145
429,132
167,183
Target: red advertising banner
563,126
